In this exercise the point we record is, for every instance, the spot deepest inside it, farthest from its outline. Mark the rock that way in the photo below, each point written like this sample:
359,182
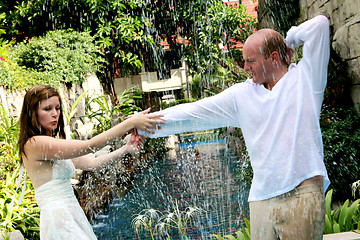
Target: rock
16,235
346,39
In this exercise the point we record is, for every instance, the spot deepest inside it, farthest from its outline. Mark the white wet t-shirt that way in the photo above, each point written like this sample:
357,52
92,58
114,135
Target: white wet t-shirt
281,127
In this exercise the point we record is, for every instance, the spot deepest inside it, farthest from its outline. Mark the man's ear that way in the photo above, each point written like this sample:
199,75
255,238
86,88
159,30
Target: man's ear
275,57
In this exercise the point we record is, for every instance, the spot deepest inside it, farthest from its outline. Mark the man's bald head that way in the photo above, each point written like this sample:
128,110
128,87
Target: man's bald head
268,41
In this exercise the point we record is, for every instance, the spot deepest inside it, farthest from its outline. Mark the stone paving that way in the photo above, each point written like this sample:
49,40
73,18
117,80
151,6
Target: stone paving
342,236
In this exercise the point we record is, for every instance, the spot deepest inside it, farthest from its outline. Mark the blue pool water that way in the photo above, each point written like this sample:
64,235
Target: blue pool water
201,175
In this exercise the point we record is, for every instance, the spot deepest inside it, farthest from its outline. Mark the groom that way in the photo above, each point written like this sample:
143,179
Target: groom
278,111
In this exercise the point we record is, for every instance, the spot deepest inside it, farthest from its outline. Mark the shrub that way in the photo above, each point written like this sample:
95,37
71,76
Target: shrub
13,76
341,136
60,56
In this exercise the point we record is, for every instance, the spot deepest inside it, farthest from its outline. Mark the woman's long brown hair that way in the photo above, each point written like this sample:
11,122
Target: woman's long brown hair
29,124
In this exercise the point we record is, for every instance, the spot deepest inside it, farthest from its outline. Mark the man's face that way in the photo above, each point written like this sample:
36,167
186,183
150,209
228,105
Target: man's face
259,67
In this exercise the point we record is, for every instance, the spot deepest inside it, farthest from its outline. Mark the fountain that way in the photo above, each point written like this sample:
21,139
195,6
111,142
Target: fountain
199,175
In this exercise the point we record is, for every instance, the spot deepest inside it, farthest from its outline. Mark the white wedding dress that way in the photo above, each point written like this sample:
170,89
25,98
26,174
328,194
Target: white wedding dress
61,216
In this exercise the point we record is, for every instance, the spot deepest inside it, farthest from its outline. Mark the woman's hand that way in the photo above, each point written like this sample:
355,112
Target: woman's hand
146,122
134,144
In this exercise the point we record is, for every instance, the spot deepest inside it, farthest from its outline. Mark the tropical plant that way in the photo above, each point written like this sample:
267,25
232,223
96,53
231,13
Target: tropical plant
343,219
243,234
24,217
219,26
103,112
223,77
161,225
9,132
73,109
355,186
127,102
146,220
129,32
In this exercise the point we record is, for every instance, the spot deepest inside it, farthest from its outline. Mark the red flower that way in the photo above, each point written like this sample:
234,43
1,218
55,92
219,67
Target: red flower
2,59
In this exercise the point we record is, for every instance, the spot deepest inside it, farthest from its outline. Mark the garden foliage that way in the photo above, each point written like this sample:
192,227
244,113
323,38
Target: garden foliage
103,111
166,225
62,56
343,219
128,32
341,136
9,132
24,217
243,234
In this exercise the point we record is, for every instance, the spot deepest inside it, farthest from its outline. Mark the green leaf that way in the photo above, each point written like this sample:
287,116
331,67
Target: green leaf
343,215
351,211
336,228
328,201
230,237
328,227
217,236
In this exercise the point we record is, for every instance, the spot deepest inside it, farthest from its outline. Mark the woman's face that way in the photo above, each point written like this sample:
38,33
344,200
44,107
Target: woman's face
48,114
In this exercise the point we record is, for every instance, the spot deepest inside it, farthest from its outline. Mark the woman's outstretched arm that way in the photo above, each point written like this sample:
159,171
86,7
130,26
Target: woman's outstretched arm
49,148
90,163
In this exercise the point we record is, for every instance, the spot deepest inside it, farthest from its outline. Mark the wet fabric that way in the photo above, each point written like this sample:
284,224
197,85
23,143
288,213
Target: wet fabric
281,127
298,214
61,216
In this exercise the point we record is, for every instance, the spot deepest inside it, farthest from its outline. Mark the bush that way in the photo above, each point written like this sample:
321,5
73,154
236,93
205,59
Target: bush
341,136
12,75
60,56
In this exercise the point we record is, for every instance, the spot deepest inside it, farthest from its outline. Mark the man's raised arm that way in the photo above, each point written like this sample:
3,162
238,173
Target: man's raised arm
314,35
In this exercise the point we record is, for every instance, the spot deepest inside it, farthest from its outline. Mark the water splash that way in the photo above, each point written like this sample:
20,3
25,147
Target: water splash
200,177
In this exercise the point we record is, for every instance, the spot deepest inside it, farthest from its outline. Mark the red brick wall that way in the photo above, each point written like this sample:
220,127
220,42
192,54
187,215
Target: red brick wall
251,6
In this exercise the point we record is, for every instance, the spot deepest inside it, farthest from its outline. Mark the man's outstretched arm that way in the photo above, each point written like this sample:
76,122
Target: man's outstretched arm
209,113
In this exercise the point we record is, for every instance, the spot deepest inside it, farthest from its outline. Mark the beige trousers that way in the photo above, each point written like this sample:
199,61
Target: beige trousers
296,215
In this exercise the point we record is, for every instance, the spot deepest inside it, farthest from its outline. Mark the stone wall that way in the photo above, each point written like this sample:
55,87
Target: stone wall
345,26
